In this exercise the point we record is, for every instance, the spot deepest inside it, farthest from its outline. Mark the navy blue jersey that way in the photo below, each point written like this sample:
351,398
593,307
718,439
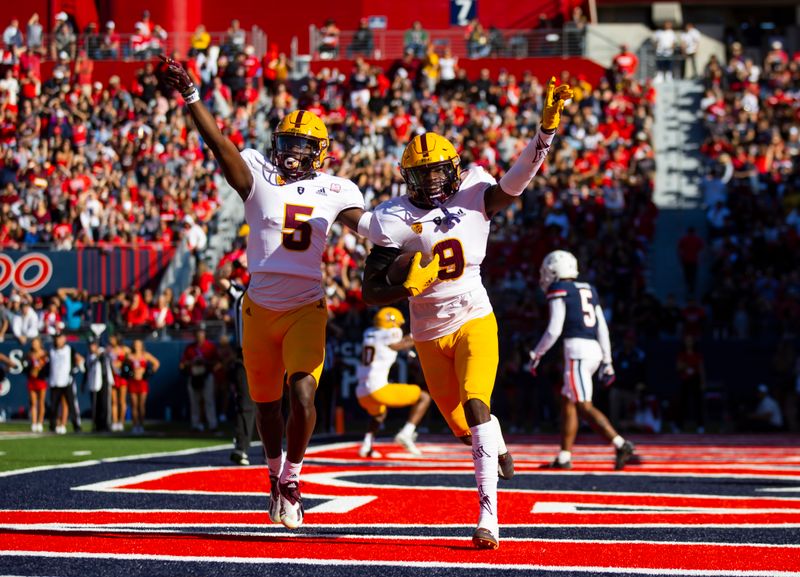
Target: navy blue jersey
581,301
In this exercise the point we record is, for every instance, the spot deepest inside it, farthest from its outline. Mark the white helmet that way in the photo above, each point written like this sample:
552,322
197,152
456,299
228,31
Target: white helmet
558,265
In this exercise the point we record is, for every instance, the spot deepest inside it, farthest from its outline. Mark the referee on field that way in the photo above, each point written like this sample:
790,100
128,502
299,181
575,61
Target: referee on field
244,420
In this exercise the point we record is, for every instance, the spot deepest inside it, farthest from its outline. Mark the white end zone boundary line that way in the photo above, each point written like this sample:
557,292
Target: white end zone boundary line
414,564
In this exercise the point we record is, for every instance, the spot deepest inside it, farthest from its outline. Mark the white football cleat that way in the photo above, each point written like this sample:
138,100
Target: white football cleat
368,452
407,442
274,500
291,505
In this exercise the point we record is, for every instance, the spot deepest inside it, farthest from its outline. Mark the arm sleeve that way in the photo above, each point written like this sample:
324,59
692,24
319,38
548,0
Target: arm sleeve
558,312
516,180
364,224
377,232
602,334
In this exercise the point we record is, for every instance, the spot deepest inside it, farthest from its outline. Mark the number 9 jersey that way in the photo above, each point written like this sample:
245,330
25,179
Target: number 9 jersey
289,225
458,232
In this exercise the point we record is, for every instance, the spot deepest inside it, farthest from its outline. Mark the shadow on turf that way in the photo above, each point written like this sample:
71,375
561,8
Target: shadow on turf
308,538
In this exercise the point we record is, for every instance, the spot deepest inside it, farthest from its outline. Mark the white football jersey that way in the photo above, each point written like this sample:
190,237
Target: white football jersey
376,359
289,227
459,296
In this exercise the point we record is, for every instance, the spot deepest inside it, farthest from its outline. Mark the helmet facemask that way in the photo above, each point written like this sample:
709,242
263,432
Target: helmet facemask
431,185
296,157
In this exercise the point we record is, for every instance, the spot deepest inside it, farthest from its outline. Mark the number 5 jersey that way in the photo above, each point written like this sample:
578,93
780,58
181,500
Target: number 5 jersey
458,233
289,225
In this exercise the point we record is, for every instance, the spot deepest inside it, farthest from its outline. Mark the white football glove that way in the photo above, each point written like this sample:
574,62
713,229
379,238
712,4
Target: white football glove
534,362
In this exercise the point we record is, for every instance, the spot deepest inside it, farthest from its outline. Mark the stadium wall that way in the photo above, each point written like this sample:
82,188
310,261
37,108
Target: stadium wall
540,67
729,385
100,271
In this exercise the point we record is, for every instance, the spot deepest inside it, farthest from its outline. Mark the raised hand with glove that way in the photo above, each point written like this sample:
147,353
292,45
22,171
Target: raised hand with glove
233,166
516,180
421,277
176,77
554,99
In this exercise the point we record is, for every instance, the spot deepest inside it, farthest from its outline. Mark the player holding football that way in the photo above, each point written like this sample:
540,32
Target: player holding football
290,207
375,393
575,313
444,222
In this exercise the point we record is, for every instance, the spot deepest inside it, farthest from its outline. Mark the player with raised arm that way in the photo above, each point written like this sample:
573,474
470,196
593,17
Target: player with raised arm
444,223
289,206
375,393
576,314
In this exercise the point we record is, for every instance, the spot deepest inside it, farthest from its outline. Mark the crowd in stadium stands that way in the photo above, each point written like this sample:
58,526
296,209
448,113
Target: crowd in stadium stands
752,192
88,163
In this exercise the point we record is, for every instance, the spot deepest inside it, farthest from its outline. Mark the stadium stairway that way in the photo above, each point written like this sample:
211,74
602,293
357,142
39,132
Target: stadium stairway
677,135
229,218
222,232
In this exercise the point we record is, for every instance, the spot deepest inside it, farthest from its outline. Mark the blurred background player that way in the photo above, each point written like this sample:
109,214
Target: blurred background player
99,380
445,217
244,420
143,364
575,313
375,393
290,207
64,364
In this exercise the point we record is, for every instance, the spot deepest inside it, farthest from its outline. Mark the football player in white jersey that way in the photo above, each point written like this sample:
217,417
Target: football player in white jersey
290,207
444,222
576,314
378,353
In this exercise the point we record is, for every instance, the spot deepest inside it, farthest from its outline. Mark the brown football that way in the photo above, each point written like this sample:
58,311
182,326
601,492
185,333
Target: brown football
398,270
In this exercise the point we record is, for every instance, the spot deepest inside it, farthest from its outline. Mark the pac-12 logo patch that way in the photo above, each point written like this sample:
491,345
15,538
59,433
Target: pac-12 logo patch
300,190
416,228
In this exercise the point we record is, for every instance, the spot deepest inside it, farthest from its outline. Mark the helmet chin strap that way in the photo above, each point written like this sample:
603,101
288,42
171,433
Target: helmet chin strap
291,163
450,219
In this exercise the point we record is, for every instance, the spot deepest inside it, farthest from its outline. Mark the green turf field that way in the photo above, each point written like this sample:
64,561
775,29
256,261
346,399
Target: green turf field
19,449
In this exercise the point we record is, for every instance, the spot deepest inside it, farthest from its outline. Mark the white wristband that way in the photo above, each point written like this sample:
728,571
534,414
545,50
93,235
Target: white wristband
192,97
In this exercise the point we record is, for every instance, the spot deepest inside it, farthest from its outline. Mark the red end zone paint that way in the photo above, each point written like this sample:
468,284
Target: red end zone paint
392,490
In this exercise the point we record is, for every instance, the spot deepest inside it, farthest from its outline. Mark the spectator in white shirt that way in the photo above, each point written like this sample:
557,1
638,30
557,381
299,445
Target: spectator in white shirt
690,41
25,325
193,235
665,41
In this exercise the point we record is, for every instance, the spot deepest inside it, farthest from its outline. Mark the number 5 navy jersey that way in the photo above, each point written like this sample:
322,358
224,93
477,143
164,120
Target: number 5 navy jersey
580,300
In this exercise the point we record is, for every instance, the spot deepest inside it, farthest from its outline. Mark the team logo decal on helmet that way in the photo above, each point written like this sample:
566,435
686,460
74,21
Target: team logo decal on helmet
389,318
431,169
299,145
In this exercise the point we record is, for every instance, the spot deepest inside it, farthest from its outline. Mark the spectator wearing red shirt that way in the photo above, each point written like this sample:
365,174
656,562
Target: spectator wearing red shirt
625,63
198,362
690,246
692,376
137,313
161,315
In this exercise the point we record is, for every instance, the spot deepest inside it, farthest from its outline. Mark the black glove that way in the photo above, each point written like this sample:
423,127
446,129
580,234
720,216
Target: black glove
607,375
